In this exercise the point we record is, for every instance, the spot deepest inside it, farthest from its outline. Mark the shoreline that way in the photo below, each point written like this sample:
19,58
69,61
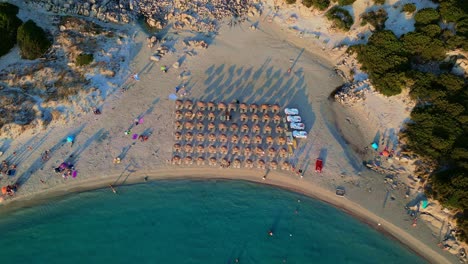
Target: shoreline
275,179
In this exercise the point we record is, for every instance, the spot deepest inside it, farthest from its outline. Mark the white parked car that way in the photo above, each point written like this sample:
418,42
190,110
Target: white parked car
298,126
291,111
299,134
294,119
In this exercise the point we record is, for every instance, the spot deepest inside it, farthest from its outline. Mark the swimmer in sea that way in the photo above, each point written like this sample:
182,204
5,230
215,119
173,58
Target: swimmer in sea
270,233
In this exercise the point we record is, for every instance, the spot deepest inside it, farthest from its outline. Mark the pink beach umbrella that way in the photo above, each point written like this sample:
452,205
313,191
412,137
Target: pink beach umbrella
74,173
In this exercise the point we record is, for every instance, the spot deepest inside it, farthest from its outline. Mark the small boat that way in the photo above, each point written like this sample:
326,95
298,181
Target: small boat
293,119
299,134
340,191
291,111
297,126
318,165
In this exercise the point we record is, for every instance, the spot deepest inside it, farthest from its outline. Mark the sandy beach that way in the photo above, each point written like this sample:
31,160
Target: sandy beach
240,64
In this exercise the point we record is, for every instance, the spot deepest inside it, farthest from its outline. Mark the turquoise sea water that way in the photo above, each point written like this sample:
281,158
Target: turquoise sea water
192,222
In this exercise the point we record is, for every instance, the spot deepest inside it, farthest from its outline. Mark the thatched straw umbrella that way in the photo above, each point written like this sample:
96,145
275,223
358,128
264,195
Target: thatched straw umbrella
177,135
279,129
244,128
223,150
178,115
211,126
188,104
244,117
224,162
273,165
269,140
188,125
259,151
232,107
264,108
201,105
213,161
254,118
211,116
260,164
246,139
285,166
177,147
222,127
275,108
267,129
223,138
178,125
189,136
200,115
249,163
176,160
281,140
276,118
188,114
258,139
234,127
179,104
243,108
210,106
266,118
222,106
188,160
200,126
212,149
256,129
236,163
234,139
200,161
247,151
200,137
200,149
283,152
253,108
271,152
212,137
235,150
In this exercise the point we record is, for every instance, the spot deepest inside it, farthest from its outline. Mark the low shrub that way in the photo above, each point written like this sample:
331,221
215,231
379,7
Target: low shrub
9,24
379,2
290,2
84,59
426,16
409,8
319,4
375,18
32,40
346,2
340,18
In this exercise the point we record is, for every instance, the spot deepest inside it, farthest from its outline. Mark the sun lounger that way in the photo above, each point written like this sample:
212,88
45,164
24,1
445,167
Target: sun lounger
291,111
294,119
299,134
297,126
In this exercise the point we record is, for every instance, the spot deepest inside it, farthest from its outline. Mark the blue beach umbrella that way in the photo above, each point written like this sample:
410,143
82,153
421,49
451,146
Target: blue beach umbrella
173,97
375,146
70,139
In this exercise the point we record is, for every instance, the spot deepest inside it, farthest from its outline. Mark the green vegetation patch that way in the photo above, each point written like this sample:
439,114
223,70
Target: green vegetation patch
375,18
9,24
32,40
290,2
319,4
346,2
340,18
409,8
84,59
379,2
426,16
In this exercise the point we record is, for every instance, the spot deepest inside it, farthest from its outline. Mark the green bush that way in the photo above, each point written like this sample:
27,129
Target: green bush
319,4
379,2
340,18
290,2
426,16
84,59
431,30
423,46
32,40
409,8
346,2
453,10
375,18
9,24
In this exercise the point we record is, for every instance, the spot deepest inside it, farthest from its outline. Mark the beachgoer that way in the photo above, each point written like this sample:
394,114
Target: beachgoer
136,121
146,178
270,233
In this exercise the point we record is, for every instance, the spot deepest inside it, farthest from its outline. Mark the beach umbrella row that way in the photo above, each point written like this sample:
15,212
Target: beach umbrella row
236,163
220,106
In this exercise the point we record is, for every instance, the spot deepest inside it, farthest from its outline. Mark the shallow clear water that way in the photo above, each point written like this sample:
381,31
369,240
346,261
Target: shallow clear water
192,222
